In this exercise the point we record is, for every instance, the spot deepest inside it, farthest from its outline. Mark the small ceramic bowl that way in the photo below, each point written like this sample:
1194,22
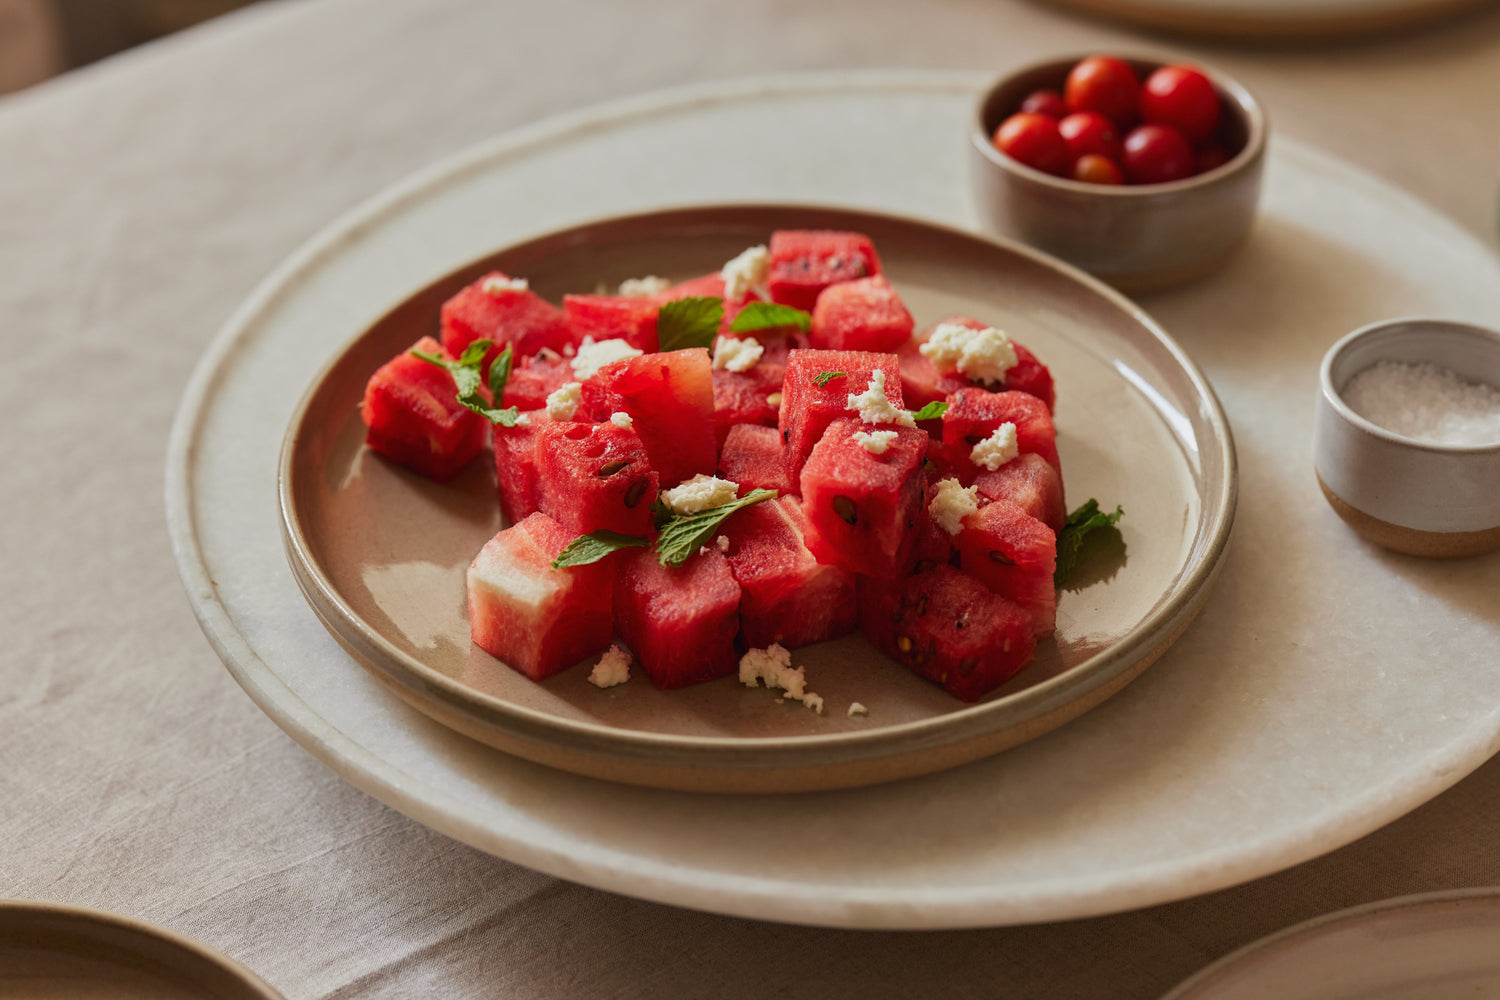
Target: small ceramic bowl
1136,237
1409,495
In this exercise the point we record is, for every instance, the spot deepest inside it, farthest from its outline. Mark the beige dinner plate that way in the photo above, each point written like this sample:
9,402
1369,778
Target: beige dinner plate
380,552
1274,20
53,952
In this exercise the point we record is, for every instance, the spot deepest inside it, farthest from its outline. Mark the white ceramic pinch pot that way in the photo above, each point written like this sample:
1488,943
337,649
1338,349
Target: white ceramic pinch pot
1412,496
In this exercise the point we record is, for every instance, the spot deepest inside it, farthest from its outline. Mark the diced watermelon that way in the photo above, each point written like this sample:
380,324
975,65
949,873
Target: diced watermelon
863,507
923,384
708,285
747,397
593,476
535,378
670,397
515,465
752,457
974,414
920,382
1031,483
1030,375
1014,555
806,261
537,619
681,622
414,418
948,627
807,408
789,597
521,318
863,315
612,317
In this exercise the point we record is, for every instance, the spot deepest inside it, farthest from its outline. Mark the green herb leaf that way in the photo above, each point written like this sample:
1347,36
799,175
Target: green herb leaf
1080,523
769,316
823,378
500,373
466,379
686,534
505,418
594,546
931,411
689,322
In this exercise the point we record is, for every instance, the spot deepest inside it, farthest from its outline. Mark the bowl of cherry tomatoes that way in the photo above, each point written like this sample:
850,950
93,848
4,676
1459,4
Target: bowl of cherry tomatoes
1143,173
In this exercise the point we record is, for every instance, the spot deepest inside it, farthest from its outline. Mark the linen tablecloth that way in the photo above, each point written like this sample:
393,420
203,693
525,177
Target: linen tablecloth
141,198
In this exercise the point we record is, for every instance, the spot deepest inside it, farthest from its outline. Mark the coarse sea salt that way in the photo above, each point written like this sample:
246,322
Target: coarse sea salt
1426,403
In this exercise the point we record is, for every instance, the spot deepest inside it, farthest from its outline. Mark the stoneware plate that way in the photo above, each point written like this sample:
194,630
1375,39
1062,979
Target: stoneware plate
380,552
49,952
1273,20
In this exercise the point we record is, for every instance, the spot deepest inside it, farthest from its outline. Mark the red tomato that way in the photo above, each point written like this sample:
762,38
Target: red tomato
1035,141
1045,102
1106,85
1088,132
1156,154
1093,168
1211,157
1182,97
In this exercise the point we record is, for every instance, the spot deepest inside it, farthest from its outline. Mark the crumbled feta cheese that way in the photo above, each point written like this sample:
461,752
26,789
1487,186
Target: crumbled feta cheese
875,442
723,543
591,356
773,665
745,273
523,420
874,407
736,355
494,286
568,351
563,402
699,493
981,355
774,399
644,288
997,449
952,504
613,668
622,420
855,708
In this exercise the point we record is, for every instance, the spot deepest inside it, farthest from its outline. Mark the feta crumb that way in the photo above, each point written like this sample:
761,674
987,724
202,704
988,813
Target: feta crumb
997,449
874,407
875,442
774,399
563,402
745,273
982,355
723,543
494,286
644,288
622,420
855,708
699,493
736,355
613,668
591,356
523,420
773,665
952,504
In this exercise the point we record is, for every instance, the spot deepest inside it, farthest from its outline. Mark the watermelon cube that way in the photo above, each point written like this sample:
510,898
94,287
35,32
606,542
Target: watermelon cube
414,418
863,315
516,473
923,383
535,378
537,619
612,317
862,507
807,408
493,309
948,627
708,285
594,476
806,261
1014,555
1029,482
789,597
974,414
752,457
752,396
679,622
670,399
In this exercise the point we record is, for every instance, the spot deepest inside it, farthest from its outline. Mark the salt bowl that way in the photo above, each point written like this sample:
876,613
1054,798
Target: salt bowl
1406,437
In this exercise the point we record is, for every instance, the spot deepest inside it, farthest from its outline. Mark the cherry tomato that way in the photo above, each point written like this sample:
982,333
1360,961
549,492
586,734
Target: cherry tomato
1156,154
1211,157
1045,102
1106,85
1093,168
1088,132
1182,97
1035,141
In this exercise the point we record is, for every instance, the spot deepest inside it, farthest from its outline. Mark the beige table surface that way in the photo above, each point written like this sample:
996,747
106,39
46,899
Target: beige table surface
143,197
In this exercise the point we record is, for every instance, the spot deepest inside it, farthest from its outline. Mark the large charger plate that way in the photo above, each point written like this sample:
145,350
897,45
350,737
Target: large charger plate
381,553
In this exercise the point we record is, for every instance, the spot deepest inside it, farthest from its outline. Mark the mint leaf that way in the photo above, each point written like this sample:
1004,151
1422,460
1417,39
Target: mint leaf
689,322
769,316
466,379
505,418
687,533
1080,523
931,411
500,374
823,378
594,546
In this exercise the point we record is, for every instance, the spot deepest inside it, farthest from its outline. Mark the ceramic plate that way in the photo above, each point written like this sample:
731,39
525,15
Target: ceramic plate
381,552
49,952
1433,946
1242,20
